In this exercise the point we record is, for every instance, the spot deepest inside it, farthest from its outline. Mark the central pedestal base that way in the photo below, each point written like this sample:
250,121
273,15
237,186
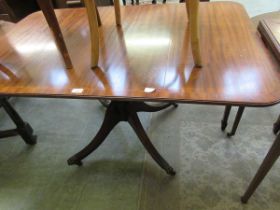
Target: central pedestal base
119,111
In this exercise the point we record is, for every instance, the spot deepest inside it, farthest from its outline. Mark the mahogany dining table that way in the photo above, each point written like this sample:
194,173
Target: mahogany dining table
147,58
48,11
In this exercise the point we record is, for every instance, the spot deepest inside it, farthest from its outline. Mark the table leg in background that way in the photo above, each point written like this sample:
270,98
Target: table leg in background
236,121
224,121
23,128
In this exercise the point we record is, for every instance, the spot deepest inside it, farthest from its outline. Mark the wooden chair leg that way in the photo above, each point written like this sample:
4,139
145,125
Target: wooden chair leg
187,8
117,12
98,16
193,15
236,121
94,33
266,165
224,121
47,9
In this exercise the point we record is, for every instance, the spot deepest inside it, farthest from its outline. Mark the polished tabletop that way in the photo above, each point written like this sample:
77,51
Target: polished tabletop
147,58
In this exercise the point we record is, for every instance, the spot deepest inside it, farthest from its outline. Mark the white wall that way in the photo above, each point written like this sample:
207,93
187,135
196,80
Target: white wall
256,7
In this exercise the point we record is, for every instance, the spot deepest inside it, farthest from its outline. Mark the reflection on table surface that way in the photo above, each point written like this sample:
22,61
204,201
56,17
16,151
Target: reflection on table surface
149,52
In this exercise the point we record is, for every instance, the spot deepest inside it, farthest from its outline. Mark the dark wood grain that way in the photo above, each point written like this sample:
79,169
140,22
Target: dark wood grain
148,58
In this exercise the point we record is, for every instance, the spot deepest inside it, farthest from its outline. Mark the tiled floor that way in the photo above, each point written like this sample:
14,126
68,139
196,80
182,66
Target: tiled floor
212,170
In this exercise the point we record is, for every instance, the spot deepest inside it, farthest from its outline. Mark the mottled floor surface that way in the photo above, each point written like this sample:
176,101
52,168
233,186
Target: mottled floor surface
212,170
